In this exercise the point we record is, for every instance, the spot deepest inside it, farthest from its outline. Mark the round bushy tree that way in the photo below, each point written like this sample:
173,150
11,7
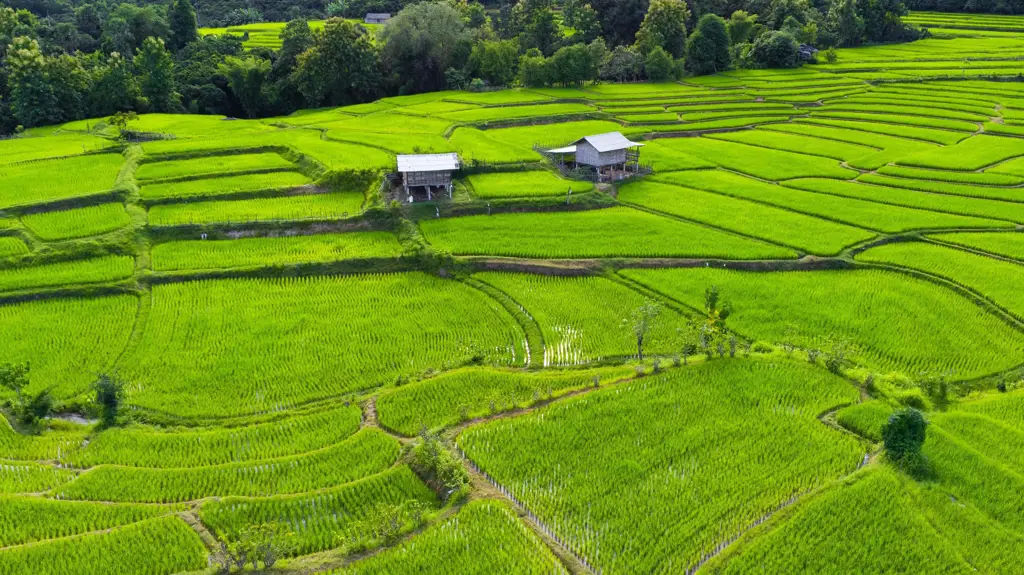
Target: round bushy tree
707,50
904,434
659,66
776,50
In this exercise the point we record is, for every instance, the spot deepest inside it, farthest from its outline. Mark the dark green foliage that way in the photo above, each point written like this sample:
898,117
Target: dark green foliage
181,19
776,50
433,460
741,26
40,406
496,62
904,434
246,77
14,377
707,50
420,43
340,68
110,393
623,65
620,19
156,70
664,26
659,66
533,69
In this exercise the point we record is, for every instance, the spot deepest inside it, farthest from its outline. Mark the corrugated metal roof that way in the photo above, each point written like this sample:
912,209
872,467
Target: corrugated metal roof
428,162
566,150
376,15
608,142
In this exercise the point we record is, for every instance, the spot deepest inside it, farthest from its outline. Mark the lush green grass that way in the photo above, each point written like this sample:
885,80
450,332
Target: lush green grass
447,399
485,537
865,419
935,329
365,453
322,520
159,546
988,192
898,119
994,439
524,184
973,476
996,279
28,519
12,246
1010,245
481,146
66,341
973,153
981,178
867,524
865,214
911,109
798,231
800,144
26,149
979,207
1006,409
515,112
95,270
911,133
591,327
332,154
51,180
24,477
760,162
241,346
274,251
586,234
223,186
141,446
209,165
611,470
311,206
77,223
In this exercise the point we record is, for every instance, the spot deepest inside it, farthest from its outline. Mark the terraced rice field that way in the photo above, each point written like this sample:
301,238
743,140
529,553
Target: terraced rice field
455,385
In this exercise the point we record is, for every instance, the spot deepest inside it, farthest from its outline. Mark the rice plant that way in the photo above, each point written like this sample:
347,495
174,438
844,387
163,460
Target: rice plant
365,453
586,234
608,471
274,251
77,223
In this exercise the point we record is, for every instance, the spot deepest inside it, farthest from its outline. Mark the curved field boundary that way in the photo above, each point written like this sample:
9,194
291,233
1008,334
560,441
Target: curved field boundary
534,334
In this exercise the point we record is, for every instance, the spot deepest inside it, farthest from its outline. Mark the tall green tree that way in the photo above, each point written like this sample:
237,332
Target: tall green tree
156,72
904,434
422,42
741,26
845,23
659,66
246,77
623,65
664,26
541,31
707,50
181,19
33,101
496,61
620,19
340,68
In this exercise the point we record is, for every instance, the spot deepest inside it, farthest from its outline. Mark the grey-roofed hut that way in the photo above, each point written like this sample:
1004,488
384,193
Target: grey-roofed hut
427,170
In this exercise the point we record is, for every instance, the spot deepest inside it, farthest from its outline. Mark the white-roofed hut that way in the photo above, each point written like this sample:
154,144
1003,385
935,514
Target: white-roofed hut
612,155
429,171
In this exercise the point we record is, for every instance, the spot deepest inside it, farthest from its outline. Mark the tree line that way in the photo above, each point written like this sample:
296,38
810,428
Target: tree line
62,63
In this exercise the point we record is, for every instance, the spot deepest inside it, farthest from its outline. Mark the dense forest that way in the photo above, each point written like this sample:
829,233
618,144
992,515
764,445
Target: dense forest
70,59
